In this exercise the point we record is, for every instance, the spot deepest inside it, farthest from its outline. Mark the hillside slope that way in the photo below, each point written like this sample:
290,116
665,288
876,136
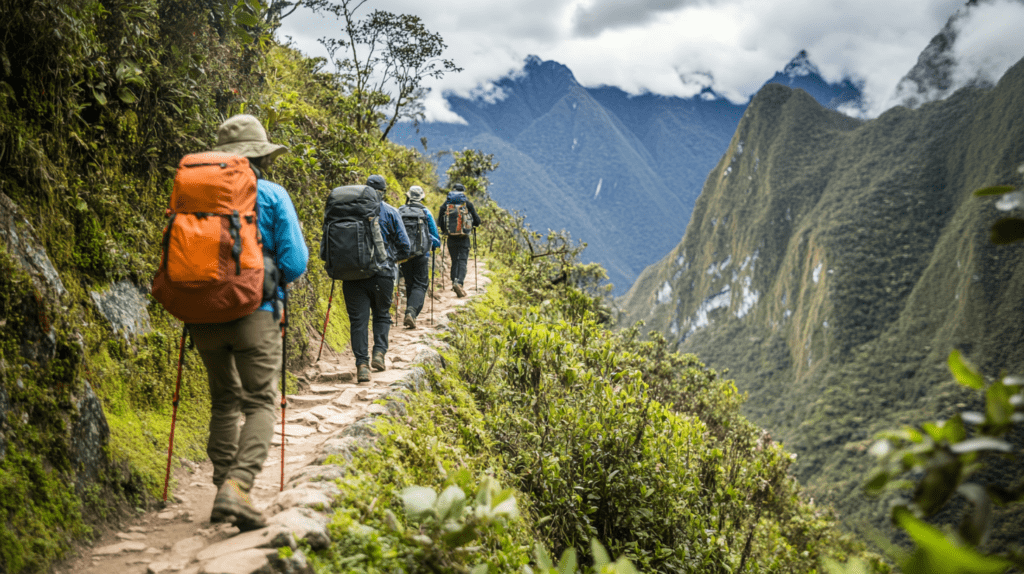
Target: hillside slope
832,265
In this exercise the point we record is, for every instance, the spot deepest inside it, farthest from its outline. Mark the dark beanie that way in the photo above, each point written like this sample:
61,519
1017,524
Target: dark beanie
377,182
458,187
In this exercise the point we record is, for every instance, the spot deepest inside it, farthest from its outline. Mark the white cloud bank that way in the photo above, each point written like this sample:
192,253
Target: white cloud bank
678,47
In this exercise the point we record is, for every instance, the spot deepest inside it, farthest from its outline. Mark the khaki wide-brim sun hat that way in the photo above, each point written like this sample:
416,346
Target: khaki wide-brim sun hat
244,135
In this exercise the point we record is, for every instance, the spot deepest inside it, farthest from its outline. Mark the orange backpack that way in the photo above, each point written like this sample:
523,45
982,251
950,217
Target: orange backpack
211,268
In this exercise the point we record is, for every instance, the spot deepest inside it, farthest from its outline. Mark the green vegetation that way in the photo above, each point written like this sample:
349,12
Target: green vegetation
98,102
598,435
850,259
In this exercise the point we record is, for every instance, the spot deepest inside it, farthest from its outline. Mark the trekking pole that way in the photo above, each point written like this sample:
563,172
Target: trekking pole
284,362
443,243
398,297
433,256
174,411
326,317
476,275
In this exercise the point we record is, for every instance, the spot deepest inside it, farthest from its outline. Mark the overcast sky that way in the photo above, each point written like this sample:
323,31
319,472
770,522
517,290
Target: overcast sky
676,47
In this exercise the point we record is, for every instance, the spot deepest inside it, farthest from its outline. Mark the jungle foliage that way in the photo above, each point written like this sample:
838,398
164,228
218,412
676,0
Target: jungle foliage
99,99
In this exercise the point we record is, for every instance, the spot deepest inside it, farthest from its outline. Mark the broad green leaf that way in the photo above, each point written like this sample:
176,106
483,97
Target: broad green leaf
507,508
963,373
543,558
938,483
418,501
877,482
853,566
953,430
600,554
461,537
933,430
981,443
450,504
1007,230
978,521
994,190
936,554
567,565
100,97
997,405
479,569
247,19
126,95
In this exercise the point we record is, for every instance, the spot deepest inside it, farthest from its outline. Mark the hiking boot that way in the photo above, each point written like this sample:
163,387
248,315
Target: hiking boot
378,361
410,321
363,373
459,290
233,504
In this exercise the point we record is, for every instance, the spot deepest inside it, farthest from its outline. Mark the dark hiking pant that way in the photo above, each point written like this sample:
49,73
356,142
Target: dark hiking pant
366,298
416,272
243,363
458,248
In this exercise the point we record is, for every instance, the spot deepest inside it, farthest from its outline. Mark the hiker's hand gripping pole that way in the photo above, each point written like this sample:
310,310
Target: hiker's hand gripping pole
174,409
323,335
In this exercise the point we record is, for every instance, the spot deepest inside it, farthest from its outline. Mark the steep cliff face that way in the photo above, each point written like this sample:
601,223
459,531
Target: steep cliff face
832,264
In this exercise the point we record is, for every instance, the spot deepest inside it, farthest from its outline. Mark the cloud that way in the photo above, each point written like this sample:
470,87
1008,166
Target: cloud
989,42
602,15
679,47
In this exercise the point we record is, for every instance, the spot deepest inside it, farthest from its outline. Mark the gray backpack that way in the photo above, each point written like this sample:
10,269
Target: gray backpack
414,218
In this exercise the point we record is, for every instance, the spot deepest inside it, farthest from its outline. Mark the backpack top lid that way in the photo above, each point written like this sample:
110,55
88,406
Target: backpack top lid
352,201
457,197
213,182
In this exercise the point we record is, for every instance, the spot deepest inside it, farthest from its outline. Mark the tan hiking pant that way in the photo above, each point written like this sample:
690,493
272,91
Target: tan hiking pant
243,363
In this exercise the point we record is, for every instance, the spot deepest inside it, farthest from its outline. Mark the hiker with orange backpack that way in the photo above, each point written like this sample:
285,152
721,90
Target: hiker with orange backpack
457,218
232,241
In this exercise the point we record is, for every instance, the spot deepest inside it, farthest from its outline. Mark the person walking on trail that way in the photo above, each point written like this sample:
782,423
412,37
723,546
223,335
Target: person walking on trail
423,236
458,217
243,357
373,296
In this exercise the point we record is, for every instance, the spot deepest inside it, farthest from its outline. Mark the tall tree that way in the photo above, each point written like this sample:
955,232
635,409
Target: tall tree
384,60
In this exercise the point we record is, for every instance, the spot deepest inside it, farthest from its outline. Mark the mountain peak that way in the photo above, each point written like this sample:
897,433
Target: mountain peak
801,66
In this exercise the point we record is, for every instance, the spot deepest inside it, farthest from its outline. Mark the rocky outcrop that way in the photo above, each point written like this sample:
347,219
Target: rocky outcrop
18,237
124,305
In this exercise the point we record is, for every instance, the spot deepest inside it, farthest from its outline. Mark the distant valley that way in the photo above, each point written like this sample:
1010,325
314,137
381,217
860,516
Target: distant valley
618,171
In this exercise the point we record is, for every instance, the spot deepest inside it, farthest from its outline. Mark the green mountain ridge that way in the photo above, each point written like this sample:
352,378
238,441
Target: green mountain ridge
832,264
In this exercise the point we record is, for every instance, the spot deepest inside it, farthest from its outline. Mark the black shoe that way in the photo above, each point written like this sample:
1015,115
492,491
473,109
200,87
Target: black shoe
410,321
378,362
363,373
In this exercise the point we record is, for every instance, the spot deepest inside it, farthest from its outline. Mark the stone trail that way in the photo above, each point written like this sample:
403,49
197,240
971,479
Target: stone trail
326,417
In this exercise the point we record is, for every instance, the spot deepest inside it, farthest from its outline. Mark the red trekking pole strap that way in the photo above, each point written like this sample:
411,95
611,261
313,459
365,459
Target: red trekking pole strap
327,316
174,410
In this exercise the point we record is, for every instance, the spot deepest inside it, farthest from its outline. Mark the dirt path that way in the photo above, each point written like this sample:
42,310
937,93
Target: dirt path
180,537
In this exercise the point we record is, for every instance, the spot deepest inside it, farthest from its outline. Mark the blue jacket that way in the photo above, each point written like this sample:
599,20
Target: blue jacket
395,239
282,235
457,197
